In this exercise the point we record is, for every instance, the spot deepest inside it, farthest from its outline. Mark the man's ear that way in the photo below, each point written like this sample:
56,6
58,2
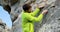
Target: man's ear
7,8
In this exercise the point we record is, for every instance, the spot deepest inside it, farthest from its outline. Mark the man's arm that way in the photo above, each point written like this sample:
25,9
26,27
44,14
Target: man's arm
35,19
35,12
38,9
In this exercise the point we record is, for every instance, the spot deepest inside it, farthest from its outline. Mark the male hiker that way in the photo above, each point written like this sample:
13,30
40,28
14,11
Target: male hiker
28,18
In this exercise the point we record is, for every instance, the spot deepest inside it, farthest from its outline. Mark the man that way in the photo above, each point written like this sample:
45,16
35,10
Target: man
28,18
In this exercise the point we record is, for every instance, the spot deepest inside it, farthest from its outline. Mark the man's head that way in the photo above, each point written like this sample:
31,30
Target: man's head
7,8
27,8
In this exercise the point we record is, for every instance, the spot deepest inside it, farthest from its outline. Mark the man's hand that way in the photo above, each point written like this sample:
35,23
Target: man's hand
45,12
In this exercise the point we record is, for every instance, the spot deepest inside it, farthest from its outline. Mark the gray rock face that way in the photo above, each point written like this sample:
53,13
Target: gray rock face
17,25
51,21
1,27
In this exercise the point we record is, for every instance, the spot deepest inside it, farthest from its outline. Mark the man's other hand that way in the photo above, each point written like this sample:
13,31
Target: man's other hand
45,12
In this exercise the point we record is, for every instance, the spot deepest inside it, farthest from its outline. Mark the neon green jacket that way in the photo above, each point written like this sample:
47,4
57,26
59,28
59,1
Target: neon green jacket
28,20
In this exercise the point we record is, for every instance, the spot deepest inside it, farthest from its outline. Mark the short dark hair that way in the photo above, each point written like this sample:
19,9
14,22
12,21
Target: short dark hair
26,7
7,8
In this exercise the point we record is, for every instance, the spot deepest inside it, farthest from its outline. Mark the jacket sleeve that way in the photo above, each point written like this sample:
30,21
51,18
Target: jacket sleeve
34,19
35,12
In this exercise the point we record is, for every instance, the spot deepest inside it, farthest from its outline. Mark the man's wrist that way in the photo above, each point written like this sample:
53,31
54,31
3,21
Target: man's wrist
42,13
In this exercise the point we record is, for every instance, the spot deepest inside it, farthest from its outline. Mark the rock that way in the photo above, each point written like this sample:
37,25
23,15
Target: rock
50,22
3,27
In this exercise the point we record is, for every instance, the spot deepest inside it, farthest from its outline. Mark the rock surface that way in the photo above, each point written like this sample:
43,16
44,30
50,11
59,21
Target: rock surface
50,22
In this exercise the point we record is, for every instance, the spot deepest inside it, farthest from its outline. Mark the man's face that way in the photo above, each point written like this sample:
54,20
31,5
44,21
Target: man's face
30,10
